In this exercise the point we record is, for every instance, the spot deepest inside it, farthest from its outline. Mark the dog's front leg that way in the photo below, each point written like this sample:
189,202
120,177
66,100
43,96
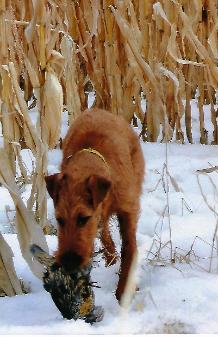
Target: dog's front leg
128,251
110,253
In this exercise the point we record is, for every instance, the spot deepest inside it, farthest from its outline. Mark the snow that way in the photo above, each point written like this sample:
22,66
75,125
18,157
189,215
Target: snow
177,271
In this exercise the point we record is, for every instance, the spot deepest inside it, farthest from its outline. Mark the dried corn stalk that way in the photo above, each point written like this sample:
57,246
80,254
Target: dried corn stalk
9,282
52,103
71,78
121,48
28,231
3,40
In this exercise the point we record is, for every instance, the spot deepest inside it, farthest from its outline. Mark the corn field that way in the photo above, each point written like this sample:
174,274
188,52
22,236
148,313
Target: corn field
54,52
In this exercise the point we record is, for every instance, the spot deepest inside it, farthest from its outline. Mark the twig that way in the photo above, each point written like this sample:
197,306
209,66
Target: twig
184,203
155,187
208,170
214,238
205,198
168,202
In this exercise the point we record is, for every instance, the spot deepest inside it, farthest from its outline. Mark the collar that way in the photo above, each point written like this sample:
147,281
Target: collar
93,151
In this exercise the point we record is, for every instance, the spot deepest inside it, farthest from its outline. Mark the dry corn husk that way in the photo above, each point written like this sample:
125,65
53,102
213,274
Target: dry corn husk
52,104
3,40
173,33
30,134
9,282
56,61
28,231
71,78
212,40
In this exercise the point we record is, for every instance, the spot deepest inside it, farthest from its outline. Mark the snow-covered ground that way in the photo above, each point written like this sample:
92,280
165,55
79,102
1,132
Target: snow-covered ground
177,271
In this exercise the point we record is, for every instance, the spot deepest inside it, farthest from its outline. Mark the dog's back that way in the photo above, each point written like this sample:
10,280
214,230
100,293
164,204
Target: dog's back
99,129
111,136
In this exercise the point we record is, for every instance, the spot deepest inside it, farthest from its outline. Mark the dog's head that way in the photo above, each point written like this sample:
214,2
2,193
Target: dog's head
78,207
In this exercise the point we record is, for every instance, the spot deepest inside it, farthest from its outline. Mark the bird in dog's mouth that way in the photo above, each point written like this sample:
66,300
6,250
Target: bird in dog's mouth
72,292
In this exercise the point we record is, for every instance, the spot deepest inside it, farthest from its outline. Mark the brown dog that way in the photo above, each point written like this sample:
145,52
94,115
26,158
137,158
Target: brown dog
101,174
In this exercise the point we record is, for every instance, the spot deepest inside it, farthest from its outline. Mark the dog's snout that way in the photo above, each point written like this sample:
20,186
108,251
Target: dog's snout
70,260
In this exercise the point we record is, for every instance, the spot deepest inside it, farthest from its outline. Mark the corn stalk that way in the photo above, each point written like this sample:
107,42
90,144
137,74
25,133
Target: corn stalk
9,283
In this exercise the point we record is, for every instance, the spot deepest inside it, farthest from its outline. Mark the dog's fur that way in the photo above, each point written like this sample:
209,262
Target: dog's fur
90,188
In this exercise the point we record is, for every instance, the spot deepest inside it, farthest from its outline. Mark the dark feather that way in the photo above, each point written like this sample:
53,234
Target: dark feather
72,293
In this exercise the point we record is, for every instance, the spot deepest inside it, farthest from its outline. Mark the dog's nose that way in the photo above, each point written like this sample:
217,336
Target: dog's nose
70,261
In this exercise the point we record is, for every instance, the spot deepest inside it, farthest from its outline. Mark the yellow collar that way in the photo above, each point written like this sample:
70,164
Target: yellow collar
90,150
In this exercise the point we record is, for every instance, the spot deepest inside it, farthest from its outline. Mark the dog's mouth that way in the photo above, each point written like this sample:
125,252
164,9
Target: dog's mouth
70,261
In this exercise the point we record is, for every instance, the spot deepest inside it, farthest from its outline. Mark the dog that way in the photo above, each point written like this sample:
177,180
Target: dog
102,172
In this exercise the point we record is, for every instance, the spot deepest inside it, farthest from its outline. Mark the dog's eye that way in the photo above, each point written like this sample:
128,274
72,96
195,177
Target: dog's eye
82,220
61,222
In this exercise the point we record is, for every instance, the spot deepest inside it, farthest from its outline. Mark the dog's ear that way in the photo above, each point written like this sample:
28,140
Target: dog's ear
98,187
53,183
